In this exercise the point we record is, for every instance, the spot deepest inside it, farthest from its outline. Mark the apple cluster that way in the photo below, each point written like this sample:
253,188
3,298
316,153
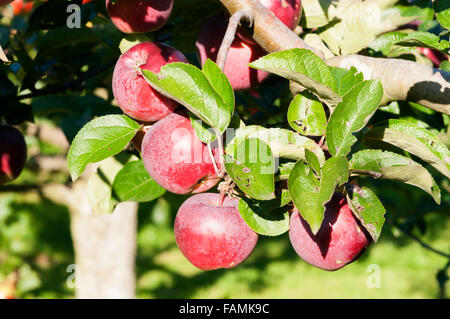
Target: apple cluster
209,229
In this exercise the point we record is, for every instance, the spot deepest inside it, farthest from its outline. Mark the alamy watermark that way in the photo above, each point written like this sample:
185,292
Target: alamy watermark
74,19
374,279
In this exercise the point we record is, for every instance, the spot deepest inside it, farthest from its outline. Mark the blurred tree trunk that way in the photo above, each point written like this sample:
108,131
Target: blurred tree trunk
105,249
104,244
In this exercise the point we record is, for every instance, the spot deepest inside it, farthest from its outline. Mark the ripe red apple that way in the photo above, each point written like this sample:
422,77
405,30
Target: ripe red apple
13,153
139,16
241,53
134,95
340,240
19,7
176,158
288,11
211,235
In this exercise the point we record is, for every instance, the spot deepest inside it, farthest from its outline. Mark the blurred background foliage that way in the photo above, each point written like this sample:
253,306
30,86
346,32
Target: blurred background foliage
64,79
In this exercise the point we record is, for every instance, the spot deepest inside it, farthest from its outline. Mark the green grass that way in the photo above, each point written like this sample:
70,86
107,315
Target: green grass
35,237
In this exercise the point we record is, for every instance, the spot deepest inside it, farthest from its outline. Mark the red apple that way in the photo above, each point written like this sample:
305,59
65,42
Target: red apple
241,53
13,153
288,11
176,158
139,16
434,55
340,240
134,95
211,235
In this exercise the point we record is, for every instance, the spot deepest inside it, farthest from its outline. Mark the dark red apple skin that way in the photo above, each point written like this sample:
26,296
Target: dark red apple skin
241,53
340,240
213,236
176,158
139,16
13,153
287,11
5,2
134,95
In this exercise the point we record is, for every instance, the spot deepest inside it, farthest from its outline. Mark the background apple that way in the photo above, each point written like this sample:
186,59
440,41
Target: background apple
13,153
340,240
175,157
288,11
21,7
139,16
434,55
134,95
241,53
213,236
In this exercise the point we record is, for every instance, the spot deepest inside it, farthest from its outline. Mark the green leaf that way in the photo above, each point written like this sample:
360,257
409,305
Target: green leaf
423,39
346,79
384,42
203,131
359,22
315,12
442,9
351,115
395,167
189,86
283,143
286,168
401,15
131,40
133,183
413,139
445,65
99,139
219,82
313,163
310,194
252,167
307,116
58,38
367,208
99,186
303,67
263,221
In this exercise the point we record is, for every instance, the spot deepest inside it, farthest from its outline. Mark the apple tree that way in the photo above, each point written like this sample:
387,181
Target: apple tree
273,116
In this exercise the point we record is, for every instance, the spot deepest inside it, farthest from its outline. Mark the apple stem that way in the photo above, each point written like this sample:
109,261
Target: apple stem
221,158
216,169
322,139
230,34
356,172
221,197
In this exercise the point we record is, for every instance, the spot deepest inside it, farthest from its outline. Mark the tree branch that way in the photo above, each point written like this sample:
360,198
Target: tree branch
423,244
401,79
270,33
229,36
